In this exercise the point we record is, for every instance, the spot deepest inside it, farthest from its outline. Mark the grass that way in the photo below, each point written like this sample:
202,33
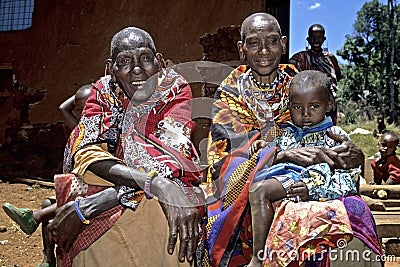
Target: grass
367,142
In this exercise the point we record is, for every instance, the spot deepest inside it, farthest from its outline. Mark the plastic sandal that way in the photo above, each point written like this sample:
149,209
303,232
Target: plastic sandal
22,216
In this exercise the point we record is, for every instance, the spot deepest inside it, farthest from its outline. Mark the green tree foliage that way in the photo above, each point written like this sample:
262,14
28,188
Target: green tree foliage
372,53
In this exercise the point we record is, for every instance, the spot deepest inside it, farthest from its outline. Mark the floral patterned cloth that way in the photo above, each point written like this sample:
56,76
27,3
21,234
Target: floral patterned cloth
312,234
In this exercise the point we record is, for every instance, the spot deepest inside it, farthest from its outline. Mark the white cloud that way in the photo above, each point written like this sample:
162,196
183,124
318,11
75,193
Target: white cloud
314,6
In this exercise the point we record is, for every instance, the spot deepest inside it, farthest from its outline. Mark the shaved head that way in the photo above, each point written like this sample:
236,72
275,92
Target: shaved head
259,20
316,28
128,37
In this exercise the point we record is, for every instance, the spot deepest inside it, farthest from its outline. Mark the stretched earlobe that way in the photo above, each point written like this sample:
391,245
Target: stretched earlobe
331,105
108,70
162,65
242,54
108,67
161,61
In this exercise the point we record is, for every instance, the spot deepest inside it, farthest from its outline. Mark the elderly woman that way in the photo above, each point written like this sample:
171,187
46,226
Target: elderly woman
250,101
132,143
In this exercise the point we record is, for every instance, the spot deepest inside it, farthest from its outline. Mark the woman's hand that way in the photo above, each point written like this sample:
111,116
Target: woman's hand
298,189
345,156
255,146
351,154
307,156
182,217
65,227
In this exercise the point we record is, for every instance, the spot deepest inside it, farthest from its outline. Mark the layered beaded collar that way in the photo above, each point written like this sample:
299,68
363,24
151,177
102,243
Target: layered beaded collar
267,102
263,86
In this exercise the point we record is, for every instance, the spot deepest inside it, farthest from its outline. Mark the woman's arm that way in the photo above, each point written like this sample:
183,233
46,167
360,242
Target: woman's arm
118,174
182,216
66,225
345,156
307,156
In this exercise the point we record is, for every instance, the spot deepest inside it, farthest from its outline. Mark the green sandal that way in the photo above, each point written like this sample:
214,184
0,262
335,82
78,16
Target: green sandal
22,216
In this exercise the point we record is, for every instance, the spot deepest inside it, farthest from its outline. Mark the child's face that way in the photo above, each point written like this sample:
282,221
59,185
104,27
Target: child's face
308,105
387,145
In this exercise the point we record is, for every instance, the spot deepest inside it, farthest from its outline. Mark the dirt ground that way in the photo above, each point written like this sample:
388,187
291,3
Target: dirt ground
17,248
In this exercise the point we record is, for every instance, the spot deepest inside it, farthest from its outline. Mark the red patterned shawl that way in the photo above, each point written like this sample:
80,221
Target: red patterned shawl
109,118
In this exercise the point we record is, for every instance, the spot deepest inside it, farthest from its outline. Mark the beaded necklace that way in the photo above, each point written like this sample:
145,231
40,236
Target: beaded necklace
268,89
265,99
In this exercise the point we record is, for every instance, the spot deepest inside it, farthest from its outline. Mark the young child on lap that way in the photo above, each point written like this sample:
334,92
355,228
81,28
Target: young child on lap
310,99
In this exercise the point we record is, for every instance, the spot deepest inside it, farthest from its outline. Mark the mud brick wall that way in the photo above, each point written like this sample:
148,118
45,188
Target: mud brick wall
67,47
222,46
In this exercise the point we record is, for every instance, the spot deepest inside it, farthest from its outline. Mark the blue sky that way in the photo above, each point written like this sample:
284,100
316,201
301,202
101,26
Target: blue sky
337,16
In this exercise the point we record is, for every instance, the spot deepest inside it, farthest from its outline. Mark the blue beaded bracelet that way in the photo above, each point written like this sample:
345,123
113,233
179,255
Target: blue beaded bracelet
79,213
147,184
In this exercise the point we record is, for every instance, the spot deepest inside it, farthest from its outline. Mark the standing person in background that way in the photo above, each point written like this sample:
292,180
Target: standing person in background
315,58
29,220
380,123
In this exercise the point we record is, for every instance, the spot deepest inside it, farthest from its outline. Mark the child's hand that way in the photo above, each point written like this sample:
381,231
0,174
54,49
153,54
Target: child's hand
255,146
298,190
